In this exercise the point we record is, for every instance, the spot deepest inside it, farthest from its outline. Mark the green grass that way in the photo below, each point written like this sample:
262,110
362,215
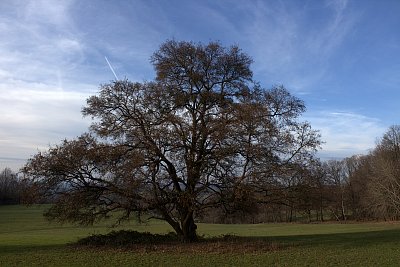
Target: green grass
26,239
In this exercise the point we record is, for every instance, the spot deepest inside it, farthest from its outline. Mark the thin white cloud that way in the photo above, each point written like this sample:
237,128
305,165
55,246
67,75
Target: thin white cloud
48,12
346,133
34,118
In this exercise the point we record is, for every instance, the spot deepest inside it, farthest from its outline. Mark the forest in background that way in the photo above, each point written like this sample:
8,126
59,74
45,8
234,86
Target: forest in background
361,187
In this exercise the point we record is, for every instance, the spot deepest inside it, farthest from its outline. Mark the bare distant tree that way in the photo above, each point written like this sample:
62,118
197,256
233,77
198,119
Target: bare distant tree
384,180
337,179
9,187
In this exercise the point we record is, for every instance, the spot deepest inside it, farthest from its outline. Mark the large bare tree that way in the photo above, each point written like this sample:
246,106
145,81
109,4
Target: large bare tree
202,134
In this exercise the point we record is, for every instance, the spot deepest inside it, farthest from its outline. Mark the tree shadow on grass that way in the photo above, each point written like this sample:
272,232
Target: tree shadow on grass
345,240
146,242
132,240
19,249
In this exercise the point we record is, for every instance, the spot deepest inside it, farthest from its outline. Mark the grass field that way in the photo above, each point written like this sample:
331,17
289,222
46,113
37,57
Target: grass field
26,239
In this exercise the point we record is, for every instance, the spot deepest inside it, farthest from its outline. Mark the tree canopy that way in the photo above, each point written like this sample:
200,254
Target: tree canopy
203,134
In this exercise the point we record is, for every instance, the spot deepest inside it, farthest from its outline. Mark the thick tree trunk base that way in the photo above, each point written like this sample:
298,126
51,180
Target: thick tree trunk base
189,230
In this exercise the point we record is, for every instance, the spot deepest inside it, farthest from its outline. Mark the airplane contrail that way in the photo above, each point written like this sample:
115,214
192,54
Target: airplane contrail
111,68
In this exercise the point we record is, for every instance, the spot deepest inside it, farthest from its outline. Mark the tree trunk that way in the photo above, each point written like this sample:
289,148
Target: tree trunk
321,208
189,228
186,229
342,204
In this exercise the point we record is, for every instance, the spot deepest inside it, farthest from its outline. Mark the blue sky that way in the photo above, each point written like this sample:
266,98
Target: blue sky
341,57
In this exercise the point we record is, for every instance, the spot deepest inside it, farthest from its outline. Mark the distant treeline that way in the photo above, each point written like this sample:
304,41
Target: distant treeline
10,187
361,187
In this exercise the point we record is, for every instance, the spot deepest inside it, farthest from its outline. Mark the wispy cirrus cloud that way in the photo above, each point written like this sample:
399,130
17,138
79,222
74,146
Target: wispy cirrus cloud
40,102
346,133
41,42
37,115
288,48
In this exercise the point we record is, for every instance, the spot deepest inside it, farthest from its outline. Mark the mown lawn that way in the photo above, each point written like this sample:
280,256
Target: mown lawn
26,239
